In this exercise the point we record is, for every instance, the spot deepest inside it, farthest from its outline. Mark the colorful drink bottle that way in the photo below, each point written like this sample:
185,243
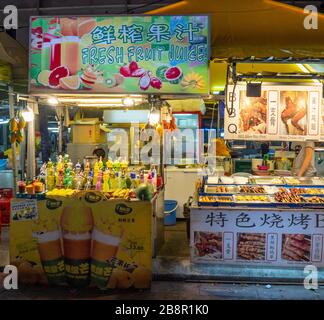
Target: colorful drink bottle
70,53
45,56
55,53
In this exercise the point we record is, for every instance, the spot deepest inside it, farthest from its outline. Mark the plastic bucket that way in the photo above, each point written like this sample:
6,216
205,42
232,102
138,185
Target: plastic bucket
170,209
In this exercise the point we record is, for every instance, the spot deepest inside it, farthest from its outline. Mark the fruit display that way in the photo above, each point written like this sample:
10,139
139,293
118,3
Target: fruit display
254,198
16,127
113,179
61,192
252,189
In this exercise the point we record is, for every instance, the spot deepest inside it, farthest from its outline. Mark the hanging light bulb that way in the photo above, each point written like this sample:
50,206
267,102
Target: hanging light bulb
28,114
53,101
154,117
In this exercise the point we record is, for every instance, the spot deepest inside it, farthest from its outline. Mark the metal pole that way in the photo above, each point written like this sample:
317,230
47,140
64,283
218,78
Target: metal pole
60,127
13,145
31,161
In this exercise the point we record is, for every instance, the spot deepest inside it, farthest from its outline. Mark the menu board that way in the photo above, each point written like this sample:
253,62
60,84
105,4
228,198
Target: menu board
124,54
256,237
281,113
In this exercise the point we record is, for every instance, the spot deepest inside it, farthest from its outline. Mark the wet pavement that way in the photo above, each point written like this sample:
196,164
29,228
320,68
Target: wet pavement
175,290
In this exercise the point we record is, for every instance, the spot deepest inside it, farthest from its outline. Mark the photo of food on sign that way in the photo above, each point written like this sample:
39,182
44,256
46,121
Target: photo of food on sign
253,113
293,112
208,244
251,246
296,247
161,54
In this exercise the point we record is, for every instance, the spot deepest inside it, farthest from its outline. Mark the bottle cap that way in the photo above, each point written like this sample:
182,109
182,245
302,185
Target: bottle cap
133,175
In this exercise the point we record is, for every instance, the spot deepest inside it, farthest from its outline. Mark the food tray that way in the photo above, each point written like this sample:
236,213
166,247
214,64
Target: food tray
218,189
317,181
245,198
266,180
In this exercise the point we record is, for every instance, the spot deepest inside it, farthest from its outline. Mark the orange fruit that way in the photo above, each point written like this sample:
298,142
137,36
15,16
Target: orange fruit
86,25
70,83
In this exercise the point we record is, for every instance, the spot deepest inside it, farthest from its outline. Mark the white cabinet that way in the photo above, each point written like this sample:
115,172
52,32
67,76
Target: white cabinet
180,185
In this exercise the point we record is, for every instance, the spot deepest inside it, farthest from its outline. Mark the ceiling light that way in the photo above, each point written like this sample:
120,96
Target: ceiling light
128,102
53,101
102,100
28,114
100,105
154,117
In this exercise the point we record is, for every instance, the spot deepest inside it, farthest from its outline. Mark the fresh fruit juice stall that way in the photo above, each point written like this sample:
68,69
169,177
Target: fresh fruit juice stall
94,222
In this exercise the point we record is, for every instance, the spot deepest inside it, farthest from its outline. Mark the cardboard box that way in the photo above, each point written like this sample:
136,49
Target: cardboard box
88,133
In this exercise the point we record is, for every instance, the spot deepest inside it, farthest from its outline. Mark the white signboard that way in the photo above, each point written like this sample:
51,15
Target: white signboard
24,209
261,237
282,113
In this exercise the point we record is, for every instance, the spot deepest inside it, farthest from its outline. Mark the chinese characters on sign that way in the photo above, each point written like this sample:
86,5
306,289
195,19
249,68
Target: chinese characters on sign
281,113
123,54
278,237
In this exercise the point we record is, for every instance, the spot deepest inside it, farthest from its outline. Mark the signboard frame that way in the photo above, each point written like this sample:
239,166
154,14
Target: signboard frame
53,91
232,130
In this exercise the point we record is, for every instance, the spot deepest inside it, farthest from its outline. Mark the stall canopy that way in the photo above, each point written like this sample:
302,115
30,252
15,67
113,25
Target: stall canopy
260,28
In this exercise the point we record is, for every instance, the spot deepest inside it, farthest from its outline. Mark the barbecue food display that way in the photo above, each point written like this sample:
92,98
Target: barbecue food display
251,246
252,189
288,197
298,190
315,200
296,247
314,191
293,111
217,189
208,244
292,180
254,198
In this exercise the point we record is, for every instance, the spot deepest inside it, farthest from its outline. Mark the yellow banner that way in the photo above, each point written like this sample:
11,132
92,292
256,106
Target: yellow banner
84,241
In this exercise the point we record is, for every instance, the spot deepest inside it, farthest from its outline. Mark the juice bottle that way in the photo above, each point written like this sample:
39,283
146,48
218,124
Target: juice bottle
105,186
70,58
55,53
95,173
45,56
99,181
50,176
